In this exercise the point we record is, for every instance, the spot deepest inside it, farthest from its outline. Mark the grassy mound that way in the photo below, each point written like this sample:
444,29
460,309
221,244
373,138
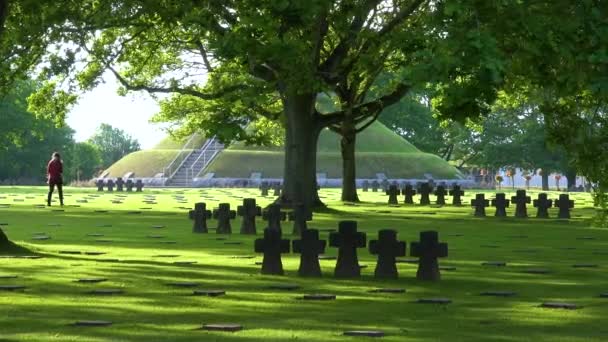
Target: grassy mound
144,163
171,143
378,150
141,259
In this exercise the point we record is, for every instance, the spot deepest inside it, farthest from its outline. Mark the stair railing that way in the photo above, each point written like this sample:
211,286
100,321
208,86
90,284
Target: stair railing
211,145
170,170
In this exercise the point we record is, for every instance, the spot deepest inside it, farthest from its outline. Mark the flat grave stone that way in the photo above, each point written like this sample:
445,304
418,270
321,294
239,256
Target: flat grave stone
494,263
11,287
182,284
258,263
155,236
604,295
226,327
233,243
94,253
242,257
560,305
184,262
537,271
447,268
108,260
168,242
92,323
586,238
104,240
364,333
318,296
104,225
209,293
101,211
54,225
388,290
434,300
58,210
134,212
585,265
91,280
499,293
327,257
166,256
3,224
41,238
70,252
407,261
106,292
30,257
158,226
8,276
284,286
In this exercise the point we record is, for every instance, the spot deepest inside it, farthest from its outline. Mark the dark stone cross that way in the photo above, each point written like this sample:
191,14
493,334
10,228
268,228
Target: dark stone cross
456,194
480,203
375,186
139,185
501,203
440,192
199,217
129,185
387,248
110,185
428,250
272,246
274,216
393,192
425,190
223,214
385,184
564,203
409,193
249,210
120,184
520,199
99,184
365,185
264,187
347,239
542,204
300,215
277,189
309,247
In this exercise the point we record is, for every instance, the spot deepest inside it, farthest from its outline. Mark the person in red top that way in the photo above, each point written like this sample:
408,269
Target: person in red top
54,172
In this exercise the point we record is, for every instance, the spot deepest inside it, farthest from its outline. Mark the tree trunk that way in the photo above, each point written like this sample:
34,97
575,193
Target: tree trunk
301,136
349,167
3,15
571,178
545,180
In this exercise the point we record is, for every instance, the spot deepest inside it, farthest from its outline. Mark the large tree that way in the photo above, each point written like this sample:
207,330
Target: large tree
112,144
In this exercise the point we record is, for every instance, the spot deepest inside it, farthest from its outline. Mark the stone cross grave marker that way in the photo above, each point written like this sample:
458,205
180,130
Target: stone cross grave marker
277,189
110,185
456,194
139,185
542,204
300,215
564,203
100,184
387,248
347,239
384,184
272,246
424,191
375,185
409,193
365,186
309,247
274,216
120,184
249,210
428,250
501,203
520,200
480,203
199,217
223,215
440,192
129,184
264,187
393,192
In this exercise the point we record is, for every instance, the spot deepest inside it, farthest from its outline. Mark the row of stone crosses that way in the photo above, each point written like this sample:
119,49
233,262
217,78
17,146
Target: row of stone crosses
120,185
424,190
347,239
542,205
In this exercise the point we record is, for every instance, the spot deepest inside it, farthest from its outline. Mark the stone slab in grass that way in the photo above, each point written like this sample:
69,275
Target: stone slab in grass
182,284
108,260
494,263
585,265
95,253
54,224
225,327
434,301
3,224
233,243
106,291
134,212
11,287
30,257
209,293
498,293
70,252
388,290
158,226
92,323
537,271
104,240
168,242
91,280
41,238
604,295
101,211
560,305
284,286
447,268
364,333
184,262
318,296
8,276
586,238
155,236
166,256
242,257
327,257
104,225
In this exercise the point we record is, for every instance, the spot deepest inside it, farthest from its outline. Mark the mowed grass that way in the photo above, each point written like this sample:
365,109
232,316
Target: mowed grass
149,310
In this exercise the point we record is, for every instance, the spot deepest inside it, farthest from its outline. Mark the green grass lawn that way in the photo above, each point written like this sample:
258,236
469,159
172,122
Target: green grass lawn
149,310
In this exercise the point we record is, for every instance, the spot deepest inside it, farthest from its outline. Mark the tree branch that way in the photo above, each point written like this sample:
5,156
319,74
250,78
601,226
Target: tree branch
369,123
376,106
203,53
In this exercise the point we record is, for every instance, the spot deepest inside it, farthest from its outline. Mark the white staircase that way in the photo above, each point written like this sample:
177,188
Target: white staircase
194,163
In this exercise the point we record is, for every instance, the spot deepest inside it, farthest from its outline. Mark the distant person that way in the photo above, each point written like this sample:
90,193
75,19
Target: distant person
54,171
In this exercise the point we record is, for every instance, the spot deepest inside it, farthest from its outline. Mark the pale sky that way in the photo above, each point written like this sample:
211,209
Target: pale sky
130,113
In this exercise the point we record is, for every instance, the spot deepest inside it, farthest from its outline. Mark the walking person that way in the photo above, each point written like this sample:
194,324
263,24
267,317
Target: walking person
54,171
